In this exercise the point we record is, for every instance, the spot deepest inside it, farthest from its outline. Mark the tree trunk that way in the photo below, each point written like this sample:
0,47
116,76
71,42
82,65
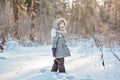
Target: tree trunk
15,10
32,26
2,4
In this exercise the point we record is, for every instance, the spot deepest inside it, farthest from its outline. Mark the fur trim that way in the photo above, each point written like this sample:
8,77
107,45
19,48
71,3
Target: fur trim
61,20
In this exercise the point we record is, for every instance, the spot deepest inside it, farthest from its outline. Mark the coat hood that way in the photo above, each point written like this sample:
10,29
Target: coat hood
57,22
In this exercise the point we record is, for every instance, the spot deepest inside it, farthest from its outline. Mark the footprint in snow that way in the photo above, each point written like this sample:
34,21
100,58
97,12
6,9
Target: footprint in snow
43,70
61,76
46,75
87,78
2,58
64,76
69,77
58,75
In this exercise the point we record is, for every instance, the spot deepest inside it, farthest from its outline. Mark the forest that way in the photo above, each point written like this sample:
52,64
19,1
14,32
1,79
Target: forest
31,20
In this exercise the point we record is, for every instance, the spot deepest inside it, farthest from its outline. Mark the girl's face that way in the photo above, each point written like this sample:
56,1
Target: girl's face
61,27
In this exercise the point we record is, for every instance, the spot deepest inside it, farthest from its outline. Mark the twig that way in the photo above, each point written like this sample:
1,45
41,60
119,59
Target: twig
99,46
113,52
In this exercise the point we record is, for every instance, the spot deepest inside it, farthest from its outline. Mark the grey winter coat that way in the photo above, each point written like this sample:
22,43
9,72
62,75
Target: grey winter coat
59,43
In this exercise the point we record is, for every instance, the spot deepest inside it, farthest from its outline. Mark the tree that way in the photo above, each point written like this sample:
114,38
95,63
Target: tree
15,10
2,4
32,26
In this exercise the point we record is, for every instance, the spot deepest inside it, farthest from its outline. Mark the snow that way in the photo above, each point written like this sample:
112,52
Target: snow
34,63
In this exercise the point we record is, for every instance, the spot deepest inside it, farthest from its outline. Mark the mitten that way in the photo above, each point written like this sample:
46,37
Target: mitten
54,52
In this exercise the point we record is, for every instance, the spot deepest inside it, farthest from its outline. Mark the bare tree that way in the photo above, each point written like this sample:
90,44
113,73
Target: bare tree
32,26
15,10
82,16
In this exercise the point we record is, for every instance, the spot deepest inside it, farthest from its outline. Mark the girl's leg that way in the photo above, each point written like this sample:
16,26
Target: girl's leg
61,65
55,66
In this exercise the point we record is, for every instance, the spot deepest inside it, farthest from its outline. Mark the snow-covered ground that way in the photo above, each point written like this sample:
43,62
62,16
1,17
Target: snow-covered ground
34,63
